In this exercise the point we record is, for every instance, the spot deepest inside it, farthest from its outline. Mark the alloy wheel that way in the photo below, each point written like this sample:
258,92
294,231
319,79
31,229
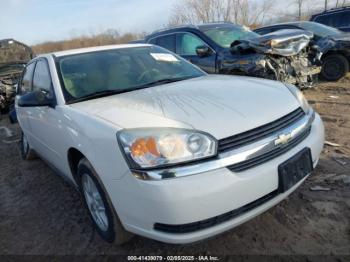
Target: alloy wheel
94,202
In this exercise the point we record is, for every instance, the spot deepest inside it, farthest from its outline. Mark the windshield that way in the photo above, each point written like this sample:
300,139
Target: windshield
319,29
224,36
120,70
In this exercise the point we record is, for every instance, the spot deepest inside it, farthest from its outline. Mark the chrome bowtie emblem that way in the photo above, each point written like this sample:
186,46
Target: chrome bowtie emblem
282,139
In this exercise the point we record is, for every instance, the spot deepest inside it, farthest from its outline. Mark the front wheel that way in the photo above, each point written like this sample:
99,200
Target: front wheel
334,67
100,208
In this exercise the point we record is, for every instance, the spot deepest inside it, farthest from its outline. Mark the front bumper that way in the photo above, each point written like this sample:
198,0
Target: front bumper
142,203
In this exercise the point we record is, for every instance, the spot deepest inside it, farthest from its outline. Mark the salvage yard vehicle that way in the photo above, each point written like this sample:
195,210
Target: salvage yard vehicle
158,147
335,17
333,44
13,57
226,48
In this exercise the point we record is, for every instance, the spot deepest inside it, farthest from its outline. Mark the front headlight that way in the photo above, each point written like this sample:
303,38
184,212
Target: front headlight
157,147
300,97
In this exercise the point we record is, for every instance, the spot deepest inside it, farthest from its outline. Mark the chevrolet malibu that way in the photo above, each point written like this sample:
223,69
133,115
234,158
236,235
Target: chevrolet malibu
159,148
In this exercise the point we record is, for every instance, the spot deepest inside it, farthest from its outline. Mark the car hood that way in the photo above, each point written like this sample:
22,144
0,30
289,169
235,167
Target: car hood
342,37
220,105
287,42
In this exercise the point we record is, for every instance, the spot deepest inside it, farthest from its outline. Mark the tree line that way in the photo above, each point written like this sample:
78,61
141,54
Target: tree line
251,13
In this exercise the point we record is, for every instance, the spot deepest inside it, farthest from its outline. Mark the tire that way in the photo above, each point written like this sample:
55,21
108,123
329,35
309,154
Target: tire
334,67
26,152
107,222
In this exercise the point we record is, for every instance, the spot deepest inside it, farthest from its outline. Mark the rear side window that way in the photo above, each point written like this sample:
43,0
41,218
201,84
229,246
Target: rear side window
167,41
325,19
338,19
42,79
26,85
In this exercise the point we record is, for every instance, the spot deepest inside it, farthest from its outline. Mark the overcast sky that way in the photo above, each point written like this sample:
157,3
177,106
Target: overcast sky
34,21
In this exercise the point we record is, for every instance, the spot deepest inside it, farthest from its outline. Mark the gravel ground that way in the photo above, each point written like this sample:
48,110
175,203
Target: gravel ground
41,214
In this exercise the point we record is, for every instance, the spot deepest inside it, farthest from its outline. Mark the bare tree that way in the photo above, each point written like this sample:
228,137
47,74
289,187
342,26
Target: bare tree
301,6
204,11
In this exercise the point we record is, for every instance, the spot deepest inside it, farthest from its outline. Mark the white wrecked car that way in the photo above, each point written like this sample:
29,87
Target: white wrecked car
161,149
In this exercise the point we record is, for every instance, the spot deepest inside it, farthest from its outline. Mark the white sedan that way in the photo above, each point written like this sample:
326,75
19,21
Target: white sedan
159,148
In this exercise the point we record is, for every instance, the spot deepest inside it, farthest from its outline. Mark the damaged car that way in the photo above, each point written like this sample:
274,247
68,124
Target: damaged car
225,48
14,56
333,44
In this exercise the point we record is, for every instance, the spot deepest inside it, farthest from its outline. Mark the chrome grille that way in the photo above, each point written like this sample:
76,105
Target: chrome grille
251,136
244,165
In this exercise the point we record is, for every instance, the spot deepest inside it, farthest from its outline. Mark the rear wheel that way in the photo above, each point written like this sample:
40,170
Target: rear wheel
334,67
100,208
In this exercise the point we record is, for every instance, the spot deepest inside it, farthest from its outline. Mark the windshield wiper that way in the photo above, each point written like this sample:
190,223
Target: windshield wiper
104,93
165,81
100,94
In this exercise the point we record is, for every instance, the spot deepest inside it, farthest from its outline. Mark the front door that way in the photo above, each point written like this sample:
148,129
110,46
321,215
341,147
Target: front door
186,45
44,121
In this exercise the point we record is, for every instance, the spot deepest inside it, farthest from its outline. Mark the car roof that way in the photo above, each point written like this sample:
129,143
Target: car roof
332,10
93,49
189,27
296,23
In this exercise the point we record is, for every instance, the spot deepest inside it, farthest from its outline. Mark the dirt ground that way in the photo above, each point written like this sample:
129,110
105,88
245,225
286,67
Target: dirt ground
41,214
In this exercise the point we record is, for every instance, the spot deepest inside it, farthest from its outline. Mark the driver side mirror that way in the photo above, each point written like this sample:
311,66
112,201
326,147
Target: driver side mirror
203,50
36,98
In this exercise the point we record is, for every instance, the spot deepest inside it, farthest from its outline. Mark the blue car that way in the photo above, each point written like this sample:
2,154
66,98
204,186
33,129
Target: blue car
225,48
337,17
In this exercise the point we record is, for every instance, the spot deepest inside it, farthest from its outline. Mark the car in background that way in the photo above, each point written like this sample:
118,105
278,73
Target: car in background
159,148
336,17
225,48
334,45
14,56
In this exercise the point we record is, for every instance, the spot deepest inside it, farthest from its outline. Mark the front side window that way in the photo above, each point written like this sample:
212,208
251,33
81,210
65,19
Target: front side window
324,19
26,85
188,43
342,19
120,70
42,79
225,36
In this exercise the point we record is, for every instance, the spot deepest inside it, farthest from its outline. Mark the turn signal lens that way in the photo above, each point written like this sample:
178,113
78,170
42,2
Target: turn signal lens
143,146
